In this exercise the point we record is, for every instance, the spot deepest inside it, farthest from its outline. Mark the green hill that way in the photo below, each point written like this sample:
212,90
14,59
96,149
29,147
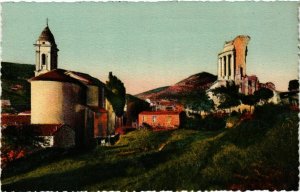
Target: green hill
15,86
261,153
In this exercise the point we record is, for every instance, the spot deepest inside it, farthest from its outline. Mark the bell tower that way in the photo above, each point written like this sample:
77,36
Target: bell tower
46,52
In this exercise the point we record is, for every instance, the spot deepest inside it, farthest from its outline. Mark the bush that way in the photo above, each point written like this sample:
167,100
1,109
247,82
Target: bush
232,121
269,112
212,123
191,122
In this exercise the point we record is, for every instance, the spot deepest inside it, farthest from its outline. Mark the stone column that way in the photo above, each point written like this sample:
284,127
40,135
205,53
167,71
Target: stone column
227,66
219,68
232,66
222,67
37,61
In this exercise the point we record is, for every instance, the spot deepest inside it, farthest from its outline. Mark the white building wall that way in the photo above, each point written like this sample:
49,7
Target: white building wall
55,102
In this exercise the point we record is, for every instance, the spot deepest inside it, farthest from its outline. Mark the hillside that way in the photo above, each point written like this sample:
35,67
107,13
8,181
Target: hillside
15,86
151,93
252,156
189,86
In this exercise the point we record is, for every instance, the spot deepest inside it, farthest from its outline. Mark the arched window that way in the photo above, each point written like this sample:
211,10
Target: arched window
43,59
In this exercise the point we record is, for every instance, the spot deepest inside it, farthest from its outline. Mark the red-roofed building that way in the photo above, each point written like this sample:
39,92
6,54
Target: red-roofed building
160,119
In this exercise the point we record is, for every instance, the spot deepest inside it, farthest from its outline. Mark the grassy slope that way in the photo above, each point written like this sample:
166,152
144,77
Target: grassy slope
253,155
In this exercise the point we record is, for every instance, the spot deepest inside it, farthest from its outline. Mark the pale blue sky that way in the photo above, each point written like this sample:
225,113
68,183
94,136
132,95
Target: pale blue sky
148,45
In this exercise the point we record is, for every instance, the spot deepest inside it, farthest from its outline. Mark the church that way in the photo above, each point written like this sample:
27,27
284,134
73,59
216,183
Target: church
69,108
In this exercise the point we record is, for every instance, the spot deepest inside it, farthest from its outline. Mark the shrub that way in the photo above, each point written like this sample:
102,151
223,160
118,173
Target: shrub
212,123
232,121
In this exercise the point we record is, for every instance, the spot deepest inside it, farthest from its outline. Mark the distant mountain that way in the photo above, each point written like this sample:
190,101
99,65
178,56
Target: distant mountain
190,86
15,86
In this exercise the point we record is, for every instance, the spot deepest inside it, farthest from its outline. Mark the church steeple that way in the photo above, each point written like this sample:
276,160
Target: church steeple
46,52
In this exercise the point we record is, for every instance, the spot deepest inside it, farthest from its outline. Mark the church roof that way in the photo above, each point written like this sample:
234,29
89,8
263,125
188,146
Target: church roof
46,35
85,78
56,75
62,75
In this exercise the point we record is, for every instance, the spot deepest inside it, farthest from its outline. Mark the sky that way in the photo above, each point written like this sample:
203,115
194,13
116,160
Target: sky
149,45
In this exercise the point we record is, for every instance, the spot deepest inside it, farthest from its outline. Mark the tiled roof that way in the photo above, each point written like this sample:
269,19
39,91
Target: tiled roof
11,119
160,113
56,75
85,78
46,129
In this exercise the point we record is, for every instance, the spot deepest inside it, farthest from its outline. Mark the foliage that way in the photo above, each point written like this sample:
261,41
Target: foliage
293,85
116,94
232,121
16,71
198,102
192,121
263,94
207,123
249,100
16,74
19,138
228,95
212,123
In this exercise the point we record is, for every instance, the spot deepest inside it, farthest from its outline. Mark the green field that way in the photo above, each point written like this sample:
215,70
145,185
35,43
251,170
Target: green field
257,154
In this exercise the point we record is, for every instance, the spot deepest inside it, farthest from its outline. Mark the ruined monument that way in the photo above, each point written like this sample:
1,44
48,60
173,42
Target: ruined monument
232,59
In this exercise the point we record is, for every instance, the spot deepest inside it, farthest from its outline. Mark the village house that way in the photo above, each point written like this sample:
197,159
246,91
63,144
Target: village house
160,119
67,104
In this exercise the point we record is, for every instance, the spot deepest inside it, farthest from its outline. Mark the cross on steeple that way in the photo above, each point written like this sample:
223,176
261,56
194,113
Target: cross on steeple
47,21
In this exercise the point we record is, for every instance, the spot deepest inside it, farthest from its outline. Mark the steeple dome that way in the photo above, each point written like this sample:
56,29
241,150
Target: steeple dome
46,35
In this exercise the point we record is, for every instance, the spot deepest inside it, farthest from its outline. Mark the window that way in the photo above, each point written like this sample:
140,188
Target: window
153,119
43,59
144,118
169,119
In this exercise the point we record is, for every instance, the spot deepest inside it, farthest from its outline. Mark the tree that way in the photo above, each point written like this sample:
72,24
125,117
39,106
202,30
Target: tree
199,102
293,85
116,93
134,107
249,100
228,95
263,94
